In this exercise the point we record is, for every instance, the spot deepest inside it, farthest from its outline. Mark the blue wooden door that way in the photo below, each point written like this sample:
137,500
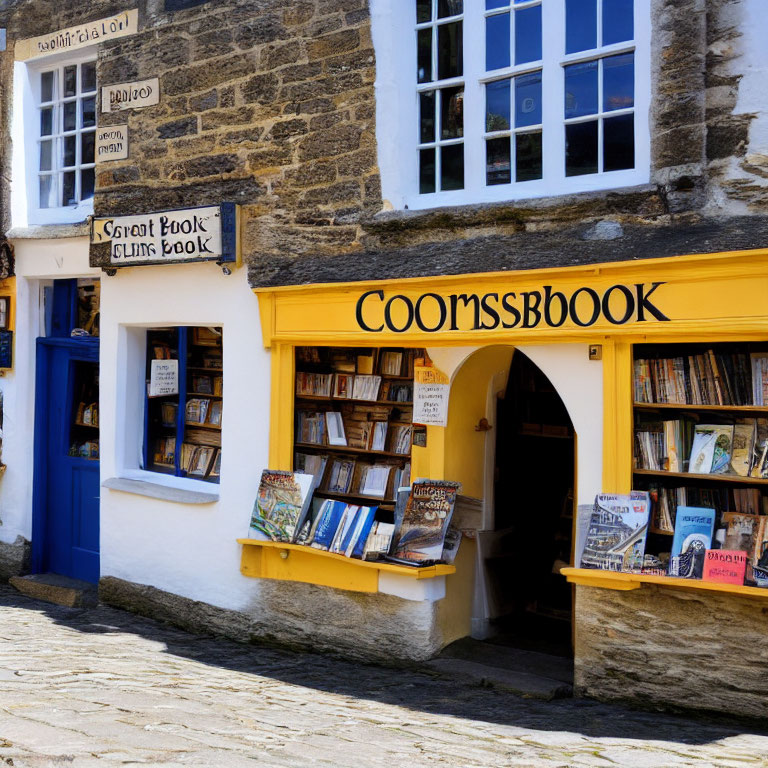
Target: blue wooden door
66,485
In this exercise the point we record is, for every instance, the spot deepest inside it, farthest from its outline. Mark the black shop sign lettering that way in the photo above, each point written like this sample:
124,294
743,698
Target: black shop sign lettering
433,312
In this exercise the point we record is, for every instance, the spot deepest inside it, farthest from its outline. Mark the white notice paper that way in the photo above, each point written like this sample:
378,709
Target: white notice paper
431,390
163,378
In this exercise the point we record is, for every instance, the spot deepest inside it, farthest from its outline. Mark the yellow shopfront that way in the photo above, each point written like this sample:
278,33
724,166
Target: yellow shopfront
582,328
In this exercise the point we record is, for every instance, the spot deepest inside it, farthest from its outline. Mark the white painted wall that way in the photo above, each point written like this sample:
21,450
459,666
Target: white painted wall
186,549
36,261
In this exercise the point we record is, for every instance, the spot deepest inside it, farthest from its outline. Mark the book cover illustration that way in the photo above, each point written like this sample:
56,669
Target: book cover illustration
694,527
420,532
617,531
711,450
281,504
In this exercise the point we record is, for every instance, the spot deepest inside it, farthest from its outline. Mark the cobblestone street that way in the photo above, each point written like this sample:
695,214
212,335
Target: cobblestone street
103,687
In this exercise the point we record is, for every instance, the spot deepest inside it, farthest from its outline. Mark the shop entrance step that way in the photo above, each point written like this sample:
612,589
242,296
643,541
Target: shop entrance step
61,590
528,673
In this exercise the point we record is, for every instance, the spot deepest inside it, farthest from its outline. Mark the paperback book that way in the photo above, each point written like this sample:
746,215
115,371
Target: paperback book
694,527
281,505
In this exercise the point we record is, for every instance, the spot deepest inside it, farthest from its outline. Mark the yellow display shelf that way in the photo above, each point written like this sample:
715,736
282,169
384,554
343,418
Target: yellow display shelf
296,562
624,582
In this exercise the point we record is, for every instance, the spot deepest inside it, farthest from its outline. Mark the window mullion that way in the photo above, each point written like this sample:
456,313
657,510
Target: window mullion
552,94
474,102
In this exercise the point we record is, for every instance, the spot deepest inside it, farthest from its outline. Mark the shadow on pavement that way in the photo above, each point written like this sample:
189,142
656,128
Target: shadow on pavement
403,687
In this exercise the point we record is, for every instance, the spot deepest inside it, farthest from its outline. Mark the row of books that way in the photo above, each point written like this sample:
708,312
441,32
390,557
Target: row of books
196,460
666,500
333,428
681,445
203,411
709,378
353,477
87,414
202,384
618,529
283,511
386,362
341,386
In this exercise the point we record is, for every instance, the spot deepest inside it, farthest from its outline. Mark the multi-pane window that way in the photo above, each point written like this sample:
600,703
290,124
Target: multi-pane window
66,145
521,97
440,69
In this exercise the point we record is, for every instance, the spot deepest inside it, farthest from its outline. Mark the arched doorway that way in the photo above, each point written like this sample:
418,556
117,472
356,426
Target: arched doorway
534,484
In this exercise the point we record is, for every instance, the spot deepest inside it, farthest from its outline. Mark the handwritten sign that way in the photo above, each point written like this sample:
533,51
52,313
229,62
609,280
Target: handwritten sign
431,389
187,234
72,38
163,378
112,143
144,93
726,566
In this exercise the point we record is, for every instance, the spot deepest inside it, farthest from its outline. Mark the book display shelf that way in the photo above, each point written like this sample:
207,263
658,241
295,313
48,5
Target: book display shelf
183,430
354,431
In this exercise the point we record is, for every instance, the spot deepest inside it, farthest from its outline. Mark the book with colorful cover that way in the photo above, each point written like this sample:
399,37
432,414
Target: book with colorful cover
694,527
366,519
711,449
420,532
724,566
618,527
328,518
281,505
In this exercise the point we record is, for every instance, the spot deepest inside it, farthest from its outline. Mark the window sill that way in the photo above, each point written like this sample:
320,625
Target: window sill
624,582
159,490
296,562
51,231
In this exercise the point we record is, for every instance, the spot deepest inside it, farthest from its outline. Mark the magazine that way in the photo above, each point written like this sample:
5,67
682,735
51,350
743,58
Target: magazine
694,527
281,505
617,531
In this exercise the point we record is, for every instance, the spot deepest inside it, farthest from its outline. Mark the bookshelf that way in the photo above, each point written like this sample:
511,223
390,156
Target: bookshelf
183,430
700,430
353,420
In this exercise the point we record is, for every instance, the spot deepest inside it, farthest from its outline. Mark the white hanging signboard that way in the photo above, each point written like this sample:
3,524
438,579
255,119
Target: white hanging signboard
163,378
111,143
431,390
143,93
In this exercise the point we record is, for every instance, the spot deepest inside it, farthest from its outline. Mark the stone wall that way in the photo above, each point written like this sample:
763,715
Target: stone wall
667,647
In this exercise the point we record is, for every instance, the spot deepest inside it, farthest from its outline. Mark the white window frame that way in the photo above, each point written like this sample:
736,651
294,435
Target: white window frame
25,137
397,107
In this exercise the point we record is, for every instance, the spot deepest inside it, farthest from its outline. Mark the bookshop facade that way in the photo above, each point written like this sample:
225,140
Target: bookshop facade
540,411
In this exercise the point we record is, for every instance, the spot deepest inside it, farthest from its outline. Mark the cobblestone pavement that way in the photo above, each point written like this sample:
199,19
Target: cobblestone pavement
102,687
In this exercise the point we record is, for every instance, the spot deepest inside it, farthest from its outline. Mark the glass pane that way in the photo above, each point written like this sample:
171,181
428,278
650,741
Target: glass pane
449,54
70,150
581,148
46,121
426,171
619,143
425,55
452,113
47,192
528,100
580,25
527,156
452,167
491,4
427,119
70,115
70,80
497,106
497,163
89,112
617,21
528,34
449,8
423,11
497,41
87,178
68,190
46,86
618,82
581,89
88,77
87,147
46,155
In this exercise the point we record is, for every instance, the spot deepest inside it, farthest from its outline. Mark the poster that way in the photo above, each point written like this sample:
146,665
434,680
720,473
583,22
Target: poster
431,390
163,378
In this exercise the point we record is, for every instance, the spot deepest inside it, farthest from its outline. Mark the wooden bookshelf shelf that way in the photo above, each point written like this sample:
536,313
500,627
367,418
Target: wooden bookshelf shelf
710,477
347,449
624,582
204,394
759,409
83,424
203,425
331,399
204,369
296,562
